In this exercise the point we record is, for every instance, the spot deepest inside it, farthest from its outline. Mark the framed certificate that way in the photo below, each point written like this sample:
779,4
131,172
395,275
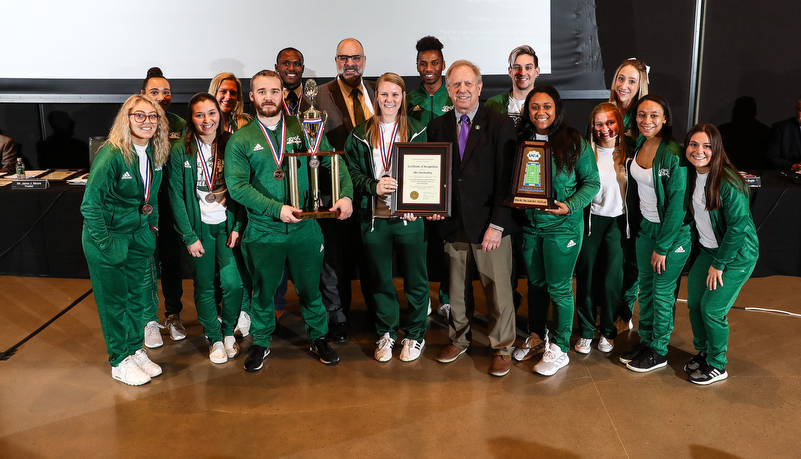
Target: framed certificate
423,172
531,182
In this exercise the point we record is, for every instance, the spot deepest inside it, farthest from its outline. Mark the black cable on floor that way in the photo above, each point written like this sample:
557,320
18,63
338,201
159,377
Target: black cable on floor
13,349
32,226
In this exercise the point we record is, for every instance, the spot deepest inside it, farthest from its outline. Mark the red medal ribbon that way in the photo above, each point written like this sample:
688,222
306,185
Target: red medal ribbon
210,177
386,151
278,152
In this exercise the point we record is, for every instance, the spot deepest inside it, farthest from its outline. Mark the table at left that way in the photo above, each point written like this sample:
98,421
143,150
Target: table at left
40,233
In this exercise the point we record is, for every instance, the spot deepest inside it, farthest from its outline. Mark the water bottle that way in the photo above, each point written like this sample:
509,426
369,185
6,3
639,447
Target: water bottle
20,169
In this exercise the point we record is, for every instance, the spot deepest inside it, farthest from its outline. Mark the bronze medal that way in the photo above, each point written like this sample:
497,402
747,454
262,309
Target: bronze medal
147,209
211,197
278,174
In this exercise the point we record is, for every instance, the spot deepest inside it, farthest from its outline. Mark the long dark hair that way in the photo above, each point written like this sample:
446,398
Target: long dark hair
565,142
190,146
666,133
720,168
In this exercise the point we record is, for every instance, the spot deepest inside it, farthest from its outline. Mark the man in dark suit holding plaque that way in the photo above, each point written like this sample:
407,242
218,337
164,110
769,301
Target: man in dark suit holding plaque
477,233
348,101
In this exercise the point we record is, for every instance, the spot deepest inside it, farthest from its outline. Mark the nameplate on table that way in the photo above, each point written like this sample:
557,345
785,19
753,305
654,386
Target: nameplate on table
30,184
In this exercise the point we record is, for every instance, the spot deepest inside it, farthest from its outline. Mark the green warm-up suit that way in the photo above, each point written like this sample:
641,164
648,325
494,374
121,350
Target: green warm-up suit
185,179
269,243
551,244
381,235
736,256
670,237
119,241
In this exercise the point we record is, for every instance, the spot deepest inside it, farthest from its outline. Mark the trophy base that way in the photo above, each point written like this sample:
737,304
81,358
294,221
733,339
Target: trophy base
316,214
530,203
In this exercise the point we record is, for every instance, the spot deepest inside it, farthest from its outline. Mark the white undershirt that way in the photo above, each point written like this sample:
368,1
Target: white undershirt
142,153
383,202
609,200
210,213
645,189
515,107
706,235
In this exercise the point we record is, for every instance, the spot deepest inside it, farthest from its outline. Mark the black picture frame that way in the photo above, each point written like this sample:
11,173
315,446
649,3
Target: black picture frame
423,172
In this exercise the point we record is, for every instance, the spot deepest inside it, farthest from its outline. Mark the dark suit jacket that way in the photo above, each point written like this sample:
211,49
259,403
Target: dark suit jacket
784,149
330,98
482,180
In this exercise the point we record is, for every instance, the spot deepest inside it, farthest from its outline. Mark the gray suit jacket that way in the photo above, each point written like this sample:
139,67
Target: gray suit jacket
330,98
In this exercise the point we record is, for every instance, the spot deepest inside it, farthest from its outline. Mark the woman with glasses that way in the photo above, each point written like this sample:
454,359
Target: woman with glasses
120,213
227,89
209,222
729,250
369,150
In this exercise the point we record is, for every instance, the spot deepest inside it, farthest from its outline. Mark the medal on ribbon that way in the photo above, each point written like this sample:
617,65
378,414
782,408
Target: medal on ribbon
147,208
210,177
386,150
278,151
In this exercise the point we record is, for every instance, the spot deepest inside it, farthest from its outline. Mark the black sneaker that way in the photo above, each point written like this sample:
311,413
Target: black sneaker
633,353
256,358
707,375
696,363
338,333
323,350
648,360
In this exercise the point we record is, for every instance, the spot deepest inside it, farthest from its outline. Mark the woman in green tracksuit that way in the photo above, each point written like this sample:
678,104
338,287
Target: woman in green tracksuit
729,250
599,269
552,237
629,85
120,212
208,221
657,190
369,157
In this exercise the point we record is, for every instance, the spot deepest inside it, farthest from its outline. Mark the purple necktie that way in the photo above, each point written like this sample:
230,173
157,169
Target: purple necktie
463,131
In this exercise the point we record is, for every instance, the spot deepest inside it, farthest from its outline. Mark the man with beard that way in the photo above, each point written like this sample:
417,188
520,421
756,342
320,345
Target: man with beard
524,68
348,101
431,99
256,168
289,65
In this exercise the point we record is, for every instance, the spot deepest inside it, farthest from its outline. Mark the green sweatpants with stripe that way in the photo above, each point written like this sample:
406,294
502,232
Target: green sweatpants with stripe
122,271
408,238
599,275
709,308
217,254
550,257
658,291
301,247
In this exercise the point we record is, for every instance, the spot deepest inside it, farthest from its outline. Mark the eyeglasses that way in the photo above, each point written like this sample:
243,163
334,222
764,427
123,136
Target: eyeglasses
355,57
140,117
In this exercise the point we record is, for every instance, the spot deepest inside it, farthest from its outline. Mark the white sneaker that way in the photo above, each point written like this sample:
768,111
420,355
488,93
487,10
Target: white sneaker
583,346
384,351
217,353
533,346
552,361
147,365
243,324
153,334
411,349
444,310
176,328
606,345
231,348
129,373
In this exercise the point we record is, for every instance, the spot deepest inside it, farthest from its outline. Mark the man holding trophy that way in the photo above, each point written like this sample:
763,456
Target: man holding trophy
263,175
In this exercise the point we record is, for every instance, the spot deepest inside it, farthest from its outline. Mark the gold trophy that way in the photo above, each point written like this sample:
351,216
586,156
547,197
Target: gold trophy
313,123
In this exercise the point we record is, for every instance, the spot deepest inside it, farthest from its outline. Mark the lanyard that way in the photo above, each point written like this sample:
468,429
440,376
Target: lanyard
386,150
210,177
278,152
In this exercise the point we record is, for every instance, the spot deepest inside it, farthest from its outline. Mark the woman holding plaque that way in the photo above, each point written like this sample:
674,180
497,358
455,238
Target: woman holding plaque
729,250
208,221
552,237
227,89
658,192
599,269
120,213
369,152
